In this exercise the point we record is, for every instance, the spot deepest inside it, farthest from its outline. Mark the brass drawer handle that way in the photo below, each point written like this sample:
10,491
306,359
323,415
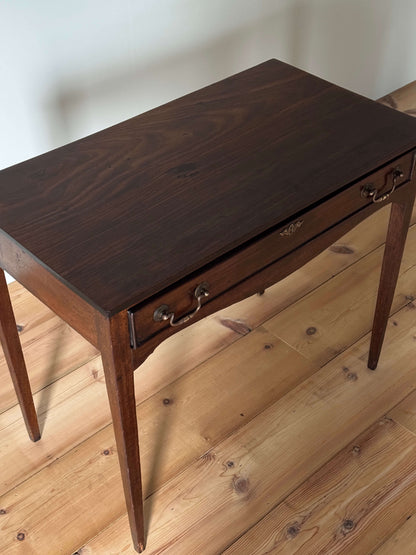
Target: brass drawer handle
369,191
163,313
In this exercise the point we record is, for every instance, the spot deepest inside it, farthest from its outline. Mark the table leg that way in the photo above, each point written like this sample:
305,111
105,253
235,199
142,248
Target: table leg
13,354
396,237
119,376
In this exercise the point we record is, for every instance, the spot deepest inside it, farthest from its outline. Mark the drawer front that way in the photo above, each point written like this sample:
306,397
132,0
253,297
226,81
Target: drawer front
175,305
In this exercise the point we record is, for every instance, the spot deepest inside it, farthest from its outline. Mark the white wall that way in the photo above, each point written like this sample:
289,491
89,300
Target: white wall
69,68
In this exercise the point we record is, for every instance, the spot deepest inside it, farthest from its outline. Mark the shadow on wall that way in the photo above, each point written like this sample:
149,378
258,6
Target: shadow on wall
358,44
90,102
346,42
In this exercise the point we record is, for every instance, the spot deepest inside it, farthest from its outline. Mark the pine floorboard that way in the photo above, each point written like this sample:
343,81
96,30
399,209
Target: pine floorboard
403,541
354,501
261,428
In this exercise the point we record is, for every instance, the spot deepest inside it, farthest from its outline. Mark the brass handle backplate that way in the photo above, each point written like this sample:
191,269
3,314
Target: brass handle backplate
162,313
369,191
291,229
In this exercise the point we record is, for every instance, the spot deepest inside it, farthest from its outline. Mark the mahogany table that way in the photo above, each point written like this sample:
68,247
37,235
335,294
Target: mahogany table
149,225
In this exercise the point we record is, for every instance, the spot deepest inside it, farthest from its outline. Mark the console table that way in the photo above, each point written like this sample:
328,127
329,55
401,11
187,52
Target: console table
143,228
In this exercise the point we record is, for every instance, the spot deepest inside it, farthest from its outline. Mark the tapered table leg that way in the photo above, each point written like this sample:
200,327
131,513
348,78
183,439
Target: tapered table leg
14,357
119,376
396,237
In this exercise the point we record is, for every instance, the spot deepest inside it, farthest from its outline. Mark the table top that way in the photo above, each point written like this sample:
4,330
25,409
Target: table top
122,214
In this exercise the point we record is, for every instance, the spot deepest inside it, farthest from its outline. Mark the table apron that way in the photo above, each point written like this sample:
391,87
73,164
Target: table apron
273,272
180,299
69,306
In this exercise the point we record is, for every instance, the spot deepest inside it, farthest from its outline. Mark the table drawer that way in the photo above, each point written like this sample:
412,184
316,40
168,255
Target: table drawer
176,305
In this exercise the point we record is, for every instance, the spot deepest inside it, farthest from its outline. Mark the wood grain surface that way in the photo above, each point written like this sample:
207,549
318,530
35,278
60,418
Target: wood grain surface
359,495
67,481
232,486
237,442
271,247
124,213
403,541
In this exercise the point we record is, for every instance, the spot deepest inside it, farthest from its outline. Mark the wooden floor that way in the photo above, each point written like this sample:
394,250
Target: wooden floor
261,428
